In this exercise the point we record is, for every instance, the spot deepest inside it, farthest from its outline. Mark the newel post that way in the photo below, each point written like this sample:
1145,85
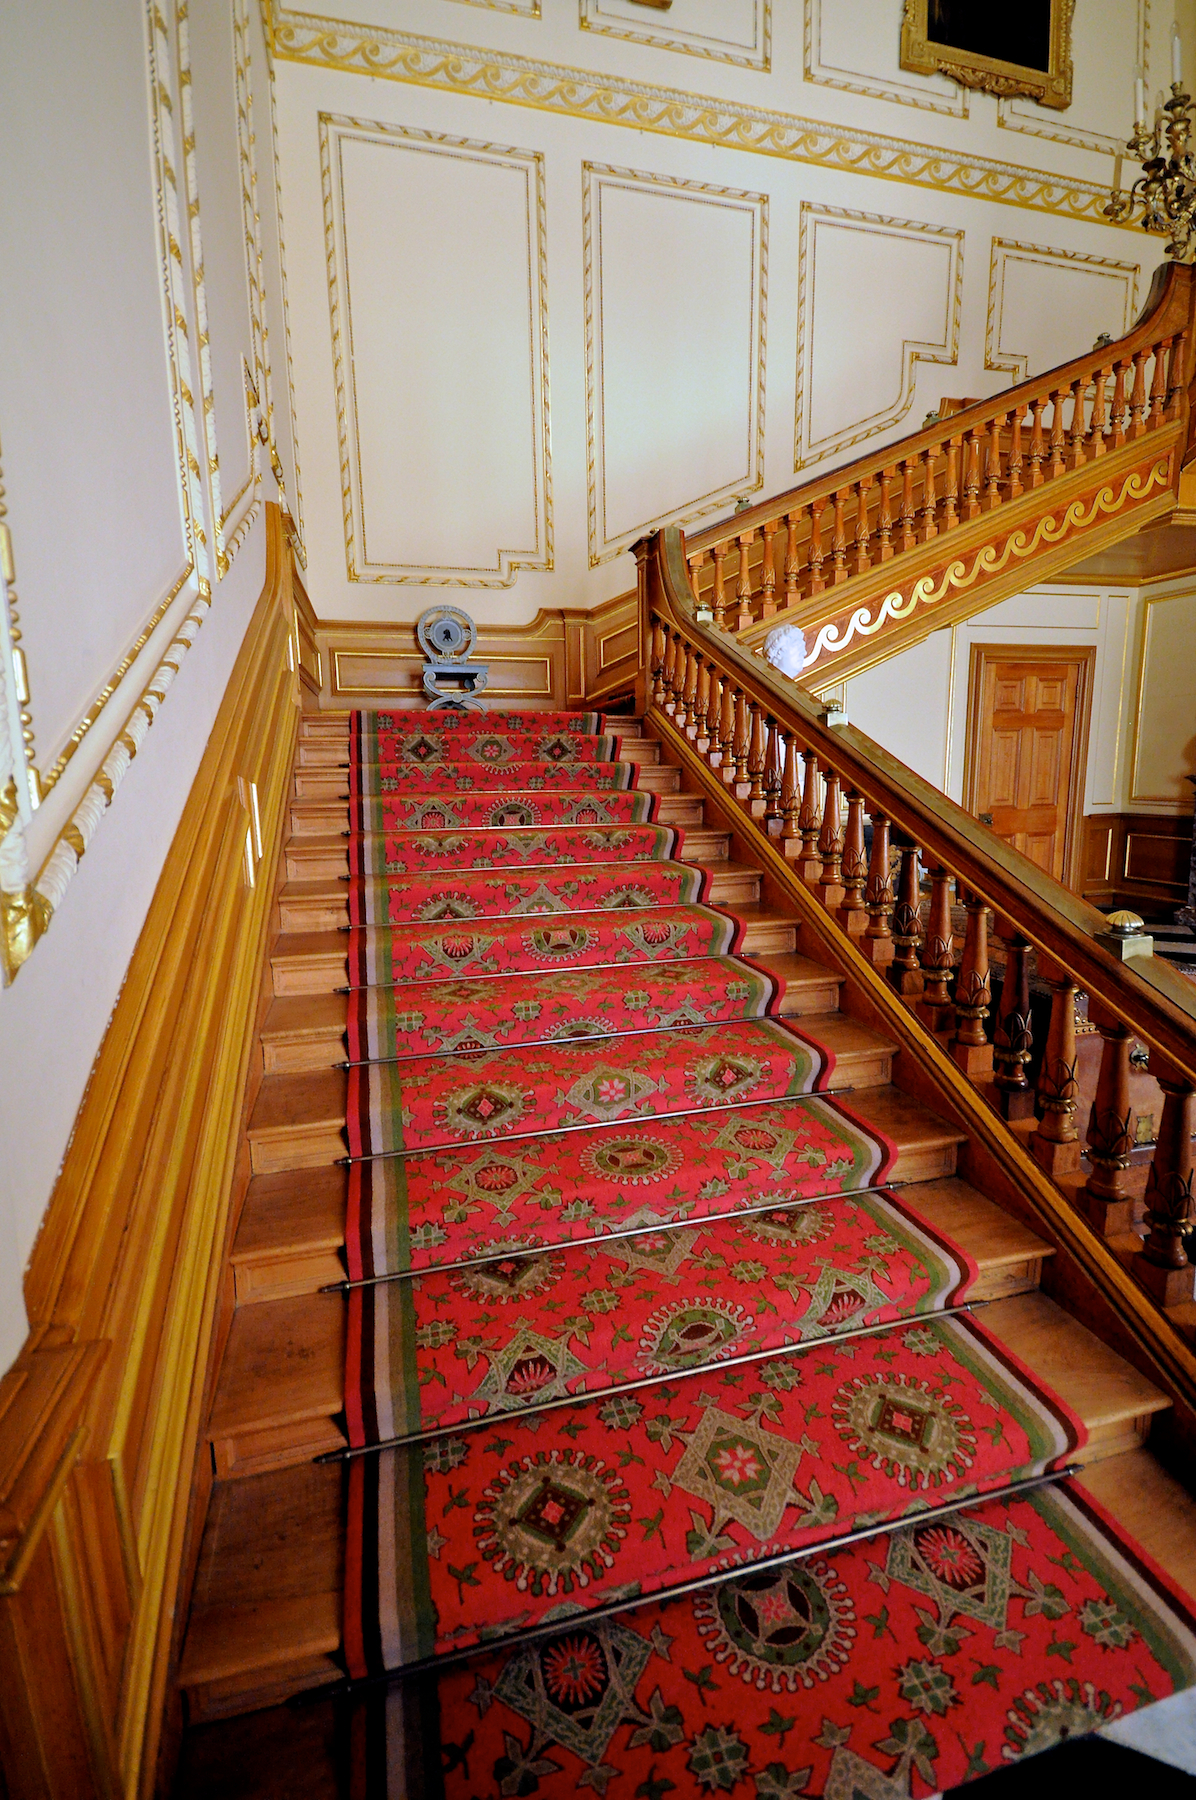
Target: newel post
1162,1266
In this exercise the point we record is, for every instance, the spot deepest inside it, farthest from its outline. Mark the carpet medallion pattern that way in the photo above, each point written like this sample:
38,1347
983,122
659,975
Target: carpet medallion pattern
637,1313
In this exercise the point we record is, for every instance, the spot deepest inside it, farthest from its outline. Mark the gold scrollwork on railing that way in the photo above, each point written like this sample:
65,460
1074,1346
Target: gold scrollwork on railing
988,561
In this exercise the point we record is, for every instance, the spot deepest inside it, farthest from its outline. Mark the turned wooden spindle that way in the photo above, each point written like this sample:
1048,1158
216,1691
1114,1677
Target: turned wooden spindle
884,516
1158,385
1096,424
659,651
973,995
1036,454
949,516
1137,425
1013,484
1117,408
1076,454
928,529
909,535
816,554
992,462
863,534
971,476
768,572
810,819
756,753
695,571
742,615
743,744
714,714
774,812
839,539
1055,1144
1058,466
719,596
851,912
1163,1266
877,942
680,677
689,693
830,841
938,956
906,971
670,671
792,567
1106,1197
1176,375
726,733
698,728
790,798
1013,1035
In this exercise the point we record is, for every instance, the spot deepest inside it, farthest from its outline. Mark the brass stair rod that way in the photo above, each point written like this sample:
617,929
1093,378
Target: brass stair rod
591,1037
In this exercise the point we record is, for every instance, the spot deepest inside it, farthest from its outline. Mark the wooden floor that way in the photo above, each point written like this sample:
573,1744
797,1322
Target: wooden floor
265,1614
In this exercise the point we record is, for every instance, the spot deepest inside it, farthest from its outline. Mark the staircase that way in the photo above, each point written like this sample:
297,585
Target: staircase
268,1606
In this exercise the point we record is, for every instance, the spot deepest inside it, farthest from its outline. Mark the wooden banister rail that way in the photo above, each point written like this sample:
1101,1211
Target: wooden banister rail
769,727
1075,451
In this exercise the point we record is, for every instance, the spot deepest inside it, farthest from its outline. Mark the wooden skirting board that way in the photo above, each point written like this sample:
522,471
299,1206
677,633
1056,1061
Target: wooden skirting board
100,1415
1136,859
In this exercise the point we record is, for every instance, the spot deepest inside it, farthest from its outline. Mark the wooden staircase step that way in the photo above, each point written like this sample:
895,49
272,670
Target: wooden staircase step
326,859
298,1121
731,883
310,962
326,780
291,1232
712,846
317,859
926,1145
810,987
1153,1507
281,1382
313,905
768,934
1007,1254
242,1658
863,1058
305,1031
1115,1402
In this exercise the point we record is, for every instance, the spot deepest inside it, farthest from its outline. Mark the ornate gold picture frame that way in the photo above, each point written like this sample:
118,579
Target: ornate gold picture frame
1023,49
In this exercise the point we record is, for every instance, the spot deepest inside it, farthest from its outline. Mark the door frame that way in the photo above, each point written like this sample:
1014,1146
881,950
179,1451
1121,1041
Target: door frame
980,655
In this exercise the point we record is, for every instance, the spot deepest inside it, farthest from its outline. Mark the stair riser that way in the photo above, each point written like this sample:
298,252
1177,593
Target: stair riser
310,818
331,914
329,861
308,974
313,1145
257,1689
285,1276
298,1056
312,915
277,1446
330,781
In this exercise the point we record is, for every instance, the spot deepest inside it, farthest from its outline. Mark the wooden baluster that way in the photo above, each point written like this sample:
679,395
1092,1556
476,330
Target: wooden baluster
1076,457
743,744
817,584
1137,424
971,479
950,513
863,533
830,841
839,540
1058,465
877,943
791,565
714,712
670,672
928,528
1105,1197
774,812
973,995
742,616
1162,1266
1013,1037
1096,425
1117,411
1055,1144
768,572
756,753
884,517
1176,375
906,971
726,733
698,728
938,957
992,465
1158,386
695,568
810,820
1013,485
659,652
717,556
1037,451
909,536
790,799
687,671
851,912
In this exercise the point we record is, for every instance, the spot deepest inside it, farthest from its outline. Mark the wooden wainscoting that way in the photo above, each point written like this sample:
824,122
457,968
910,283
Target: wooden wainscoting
100,1415
560,660
1136,860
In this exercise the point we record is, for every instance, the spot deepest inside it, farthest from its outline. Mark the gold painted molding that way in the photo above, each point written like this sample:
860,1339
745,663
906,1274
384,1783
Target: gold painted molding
1007,250
669,35
100,1416
614,100
852,81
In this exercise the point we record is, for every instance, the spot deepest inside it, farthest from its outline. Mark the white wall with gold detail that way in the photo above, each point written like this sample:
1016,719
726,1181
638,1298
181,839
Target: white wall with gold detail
561,272
141,282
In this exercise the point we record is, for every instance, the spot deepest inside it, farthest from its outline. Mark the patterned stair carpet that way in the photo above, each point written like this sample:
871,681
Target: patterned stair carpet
637,1313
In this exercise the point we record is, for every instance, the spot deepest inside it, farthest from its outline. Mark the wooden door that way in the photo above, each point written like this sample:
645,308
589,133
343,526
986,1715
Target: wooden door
1027,747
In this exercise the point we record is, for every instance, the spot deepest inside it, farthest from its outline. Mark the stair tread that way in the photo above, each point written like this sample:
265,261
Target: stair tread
272,1537
795,969
1151,1506
290,1102
899,1116
284,1363
300,1209
294,1016
295,944
991,1237
225,1641
1094,1380
844,1035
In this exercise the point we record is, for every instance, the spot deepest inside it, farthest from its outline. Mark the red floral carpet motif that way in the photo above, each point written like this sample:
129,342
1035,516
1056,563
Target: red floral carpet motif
426,1210
657,1303
900,1667
372,781
494,748
471,1014
714,1468
422,852
432,1101
428,899
371,732
378,958
432,812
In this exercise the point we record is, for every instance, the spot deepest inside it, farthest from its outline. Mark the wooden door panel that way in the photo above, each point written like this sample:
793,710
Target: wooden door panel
1047,775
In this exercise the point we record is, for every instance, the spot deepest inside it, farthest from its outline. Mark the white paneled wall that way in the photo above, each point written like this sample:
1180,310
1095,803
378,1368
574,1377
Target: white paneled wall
761,243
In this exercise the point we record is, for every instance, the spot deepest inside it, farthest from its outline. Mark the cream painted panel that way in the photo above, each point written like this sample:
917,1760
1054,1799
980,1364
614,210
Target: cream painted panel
1165,744
1046,306
440,355
675,391
905,705
1115,39
729,30
851,44
857,360
86,412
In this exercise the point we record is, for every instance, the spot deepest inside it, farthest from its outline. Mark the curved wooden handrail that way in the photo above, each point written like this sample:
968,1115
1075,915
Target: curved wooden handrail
1156,1002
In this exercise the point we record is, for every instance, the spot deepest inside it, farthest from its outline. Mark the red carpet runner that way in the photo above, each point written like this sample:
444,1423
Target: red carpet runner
638,1238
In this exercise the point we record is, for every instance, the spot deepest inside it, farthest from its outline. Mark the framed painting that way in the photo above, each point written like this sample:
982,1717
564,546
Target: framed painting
1022,47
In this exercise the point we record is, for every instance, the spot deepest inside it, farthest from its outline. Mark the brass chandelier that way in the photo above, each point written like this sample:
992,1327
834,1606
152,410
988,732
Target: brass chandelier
1166,189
